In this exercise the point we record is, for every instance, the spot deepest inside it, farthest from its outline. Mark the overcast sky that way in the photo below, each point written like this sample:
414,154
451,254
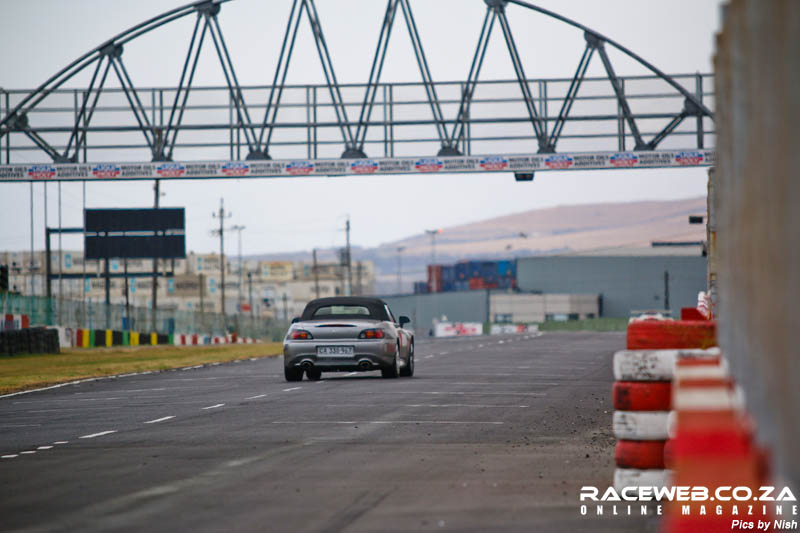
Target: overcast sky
38,37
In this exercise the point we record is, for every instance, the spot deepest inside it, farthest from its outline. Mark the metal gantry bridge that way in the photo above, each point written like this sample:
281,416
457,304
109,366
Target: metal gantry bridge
520,124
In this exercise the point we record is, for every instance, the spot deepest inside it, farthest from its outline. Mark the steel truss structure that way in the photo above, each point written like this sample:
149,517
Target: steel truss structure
614,121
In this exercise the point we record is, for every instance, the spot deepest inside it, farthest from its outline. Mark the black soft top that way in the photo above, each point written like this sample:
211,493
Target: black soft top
376,307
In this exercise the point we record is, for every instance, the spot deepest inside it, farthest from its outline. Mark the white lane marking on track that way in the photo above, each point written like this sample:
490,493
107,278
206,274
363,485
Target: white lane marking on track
19,425
255,397
44,448
9,456
426,405
291,389
473,393
61,442
500,342
70,400
93,435
117,391
27,452
157,420
428,357
213,406
388,422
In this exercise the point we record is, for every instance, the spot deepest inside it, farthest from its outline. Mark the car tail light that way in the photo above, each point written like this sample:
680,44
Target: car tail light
301,335
372,334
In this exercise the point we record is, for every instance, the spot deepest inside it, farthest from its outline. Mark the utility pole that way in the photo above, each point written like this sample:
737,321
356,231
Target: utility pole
30,265
358,278
156,199
202,303
399,269
127,298
250,291
222,215
349,287
316,274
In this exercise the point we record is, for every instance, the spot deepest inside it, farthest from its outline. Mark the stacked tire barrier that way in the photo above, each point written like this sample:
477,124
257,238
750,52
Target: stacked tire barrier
14,322
29,340
642,394
96,338
186,339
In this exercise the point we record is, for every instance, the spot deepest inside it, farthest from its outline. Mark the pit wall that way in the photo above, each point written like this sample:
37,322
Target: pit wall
756,203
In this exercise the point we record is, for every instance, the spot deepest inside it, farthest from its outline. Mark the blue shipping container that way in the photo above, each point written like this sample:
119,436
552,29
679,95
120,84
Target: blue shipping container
448,273
461,270
488,268
474,269
504,268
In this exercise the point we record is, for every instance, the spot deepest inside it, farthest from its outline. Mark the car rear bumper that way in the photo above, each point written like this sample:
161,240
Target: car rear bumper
367,355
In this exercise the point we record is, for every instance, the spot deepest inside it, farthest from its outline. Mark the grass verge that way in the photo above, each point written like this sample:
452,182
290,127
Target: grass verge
31,371
590,324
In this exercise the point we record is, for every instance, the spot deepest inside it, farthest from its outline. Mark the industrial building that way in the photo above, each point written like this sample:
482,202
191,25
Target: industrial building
491,306
657,278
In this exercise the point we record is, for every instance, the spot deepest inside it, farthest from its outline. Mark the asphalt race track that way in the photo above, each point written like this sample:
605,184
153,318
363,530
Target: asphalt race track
492,434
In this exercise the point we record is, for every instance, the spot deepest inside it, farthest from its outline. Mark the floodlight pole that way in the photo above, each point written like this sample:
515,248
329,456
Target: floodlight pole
222,215
239,228
154,307
400,269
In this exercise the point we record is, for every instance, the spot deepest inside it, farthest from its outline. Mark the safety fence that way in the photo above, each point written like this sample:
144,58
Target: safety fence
90,315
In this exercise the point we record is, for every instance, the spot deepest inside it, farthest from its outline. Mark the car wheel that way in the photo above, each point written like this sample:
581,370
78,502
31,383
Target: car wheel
408,371
293,374
314,374
394,371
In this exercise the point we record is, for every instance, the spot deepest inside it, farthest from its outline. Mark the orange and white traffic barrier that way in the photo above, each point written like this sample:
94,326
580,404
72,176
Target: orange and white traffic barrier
713,447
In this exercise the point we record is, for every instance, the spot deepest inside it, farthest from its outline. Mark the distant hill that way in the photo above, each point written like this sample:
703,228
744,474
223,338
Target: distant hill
550,231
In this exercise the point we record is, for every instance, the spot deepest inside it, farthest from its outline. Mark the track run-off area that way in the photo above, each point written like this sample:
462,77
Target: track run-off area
491,434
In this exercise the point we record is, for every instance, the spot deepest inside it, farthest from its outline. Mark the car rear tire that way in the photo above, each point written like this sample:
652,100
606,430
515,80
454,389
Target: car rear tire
314,374
408,371
293,374
393,371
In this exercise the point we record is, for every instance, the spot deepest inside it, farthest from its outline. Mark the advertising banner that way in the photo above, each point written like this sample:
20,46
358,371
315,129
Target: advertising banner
298,168
458,329
513,329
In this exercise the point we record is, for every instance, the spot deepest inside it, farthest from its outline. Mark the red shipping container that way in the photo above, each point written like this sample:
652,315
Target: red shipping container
435,278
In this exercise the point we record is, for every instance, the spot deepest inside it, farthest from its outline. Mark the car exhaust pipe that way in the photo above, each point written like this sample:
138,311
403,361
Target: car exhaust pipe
307,364
365,364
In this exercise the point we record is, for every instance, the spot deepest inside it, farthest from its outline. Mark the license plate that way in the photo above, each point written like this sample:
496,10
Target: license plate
335,351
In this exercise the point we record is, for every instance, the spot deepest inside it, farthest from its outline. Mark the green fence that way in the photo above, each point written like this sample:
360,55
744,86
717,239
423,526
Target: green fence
97,315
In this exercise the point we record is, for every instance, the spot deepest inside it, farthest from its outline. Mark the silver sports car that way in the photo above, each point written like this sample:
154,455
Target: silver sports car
347,334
